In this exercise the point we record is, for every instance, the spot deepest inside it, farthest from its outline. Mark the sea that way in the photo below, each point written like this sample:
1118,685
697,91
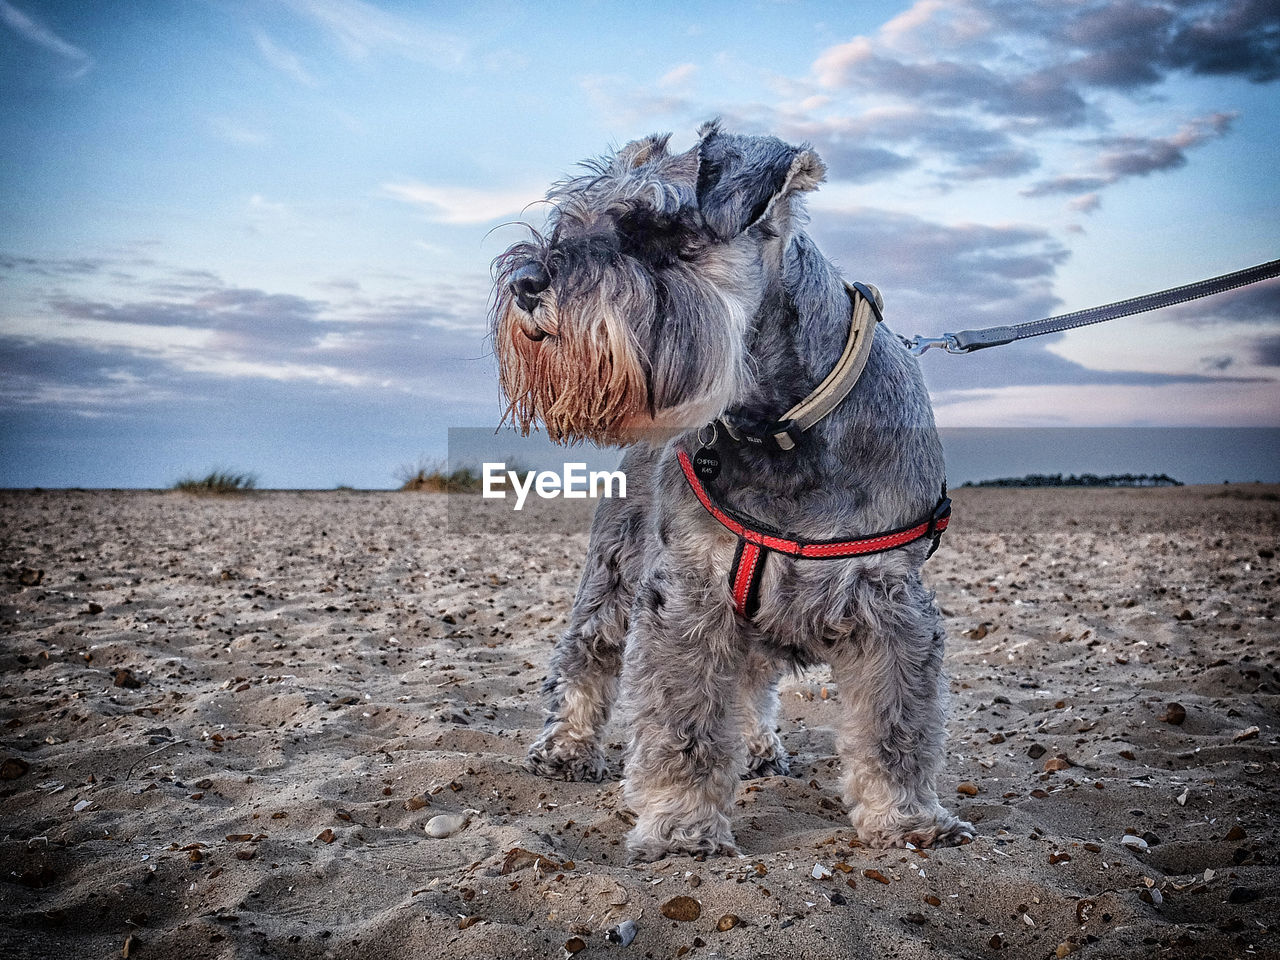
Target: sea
1192,455
1187,454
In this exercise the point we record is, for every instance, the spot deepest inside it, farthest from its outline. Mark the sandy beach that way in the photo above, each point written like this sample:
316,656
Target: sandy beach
226,722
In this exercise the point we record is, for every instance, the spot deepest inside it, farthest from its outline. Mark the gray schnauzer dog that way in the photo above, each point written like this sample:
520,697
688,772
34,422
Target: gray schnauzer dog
678,291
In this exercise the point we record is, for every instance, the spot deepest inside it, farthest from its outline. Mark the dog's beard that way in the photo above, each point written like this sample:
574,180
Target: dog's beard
584,380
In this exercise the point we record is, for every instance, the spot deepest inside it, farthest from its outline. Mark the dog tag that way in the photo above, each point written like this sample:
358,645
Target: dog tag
706,463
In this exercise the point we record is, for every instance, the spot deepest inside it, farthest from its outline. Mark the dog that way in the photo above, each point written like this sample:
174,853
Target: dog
675,305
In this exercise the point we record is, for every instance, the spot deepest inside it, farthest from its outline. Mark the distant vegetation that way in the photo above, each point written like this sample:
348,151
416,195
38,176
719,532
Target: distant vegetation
218,482
1083,480
438,478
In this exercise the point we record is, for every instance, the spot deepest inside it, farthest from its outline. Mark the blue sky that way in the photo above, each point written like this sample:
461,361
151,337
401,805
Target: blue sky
257,234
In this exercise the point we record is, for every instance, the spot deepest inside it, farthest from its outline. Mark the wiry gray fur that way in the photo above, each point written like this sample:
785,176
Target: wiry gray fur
744,318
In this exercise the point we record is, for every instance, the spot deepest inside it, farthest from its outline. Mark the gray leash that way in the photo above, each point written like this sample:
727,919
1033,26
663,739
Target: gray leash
966,341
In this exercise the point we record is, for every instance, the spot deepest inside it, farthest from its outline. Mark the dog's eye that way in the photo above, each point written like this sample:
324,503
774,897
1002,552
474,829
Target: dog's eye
643,224
654,239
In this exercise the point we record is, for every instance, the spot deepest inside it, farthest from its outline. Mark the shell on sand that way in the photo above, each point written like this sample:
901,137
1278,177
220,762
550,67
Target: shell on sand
447,824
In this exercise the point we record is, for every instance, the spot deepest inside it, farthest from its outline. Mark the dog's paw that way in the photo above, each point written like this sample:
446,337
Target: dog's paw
952,833
766,756
940,829
562,760
768,765
647,849
694,832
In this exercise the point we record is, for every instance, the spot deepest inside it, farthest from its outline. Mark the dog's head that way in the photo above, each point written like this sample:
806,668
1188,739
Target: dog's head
626,316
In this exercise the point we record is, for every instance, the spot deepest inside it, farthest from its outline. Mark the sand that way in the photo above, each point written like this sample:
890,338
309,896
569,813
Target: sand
226,721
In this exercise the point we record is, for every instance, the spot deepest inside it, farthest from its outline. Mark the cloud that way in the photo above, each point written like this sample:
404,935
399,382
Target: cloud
1087,203
856,163
939,277
460,205
996,164
1255,305
1237,38
260,203
12,264
1024,68
936,274
955,91
626,102
186,330
1266,351
970,90
37,33
233,131
1208,404
88,381
678,76
931,25
881,142
1066,183
1217,362
361,29
245,333
1118,44
1042,97
1030,363
1129,44
1132,156
284,60
1140,156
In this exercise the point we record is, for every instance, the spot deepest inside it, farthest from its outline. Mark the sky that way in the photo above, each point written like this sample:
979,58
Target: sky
257,235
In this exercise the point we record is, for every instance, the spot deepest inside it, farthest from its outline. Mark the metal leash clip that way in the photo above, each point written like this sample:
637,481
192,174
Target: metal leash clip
918,345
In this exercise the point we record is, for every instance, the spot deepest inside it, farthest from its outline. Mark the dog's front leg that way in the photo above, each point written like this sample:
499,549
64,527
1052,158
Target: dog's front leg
581,686
582,680
893,697
683,661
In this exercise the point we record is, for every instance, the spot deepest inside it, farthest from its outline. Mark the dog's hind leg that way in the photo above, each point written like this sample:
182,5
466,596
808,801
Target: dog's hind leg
582,679
893,714
758,691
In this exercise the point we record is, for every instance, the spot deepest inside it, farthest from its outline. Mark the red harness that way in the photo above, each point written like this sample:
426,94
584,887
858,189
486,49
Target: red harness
754,544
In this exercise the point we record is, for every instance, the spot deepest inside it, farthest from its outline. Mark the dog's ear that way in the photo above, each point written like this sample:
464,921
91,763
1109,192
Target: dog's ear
639,152
740,179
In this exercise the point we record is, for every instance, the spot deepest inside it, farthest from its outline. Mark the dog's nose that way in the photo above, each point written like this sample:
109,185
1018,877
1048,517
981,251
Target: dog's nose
527,282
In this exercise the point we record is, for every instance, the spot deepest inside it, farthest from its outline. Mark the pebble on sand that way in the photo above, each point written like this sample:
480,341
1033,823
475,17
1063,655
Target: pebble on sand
1175,714
13,768
125,678
682,908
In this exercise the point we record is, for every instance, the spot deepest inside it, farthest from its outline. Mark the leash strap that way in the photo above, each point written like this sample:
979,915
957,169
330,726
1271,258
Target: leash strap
756,540
865,305
967,341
